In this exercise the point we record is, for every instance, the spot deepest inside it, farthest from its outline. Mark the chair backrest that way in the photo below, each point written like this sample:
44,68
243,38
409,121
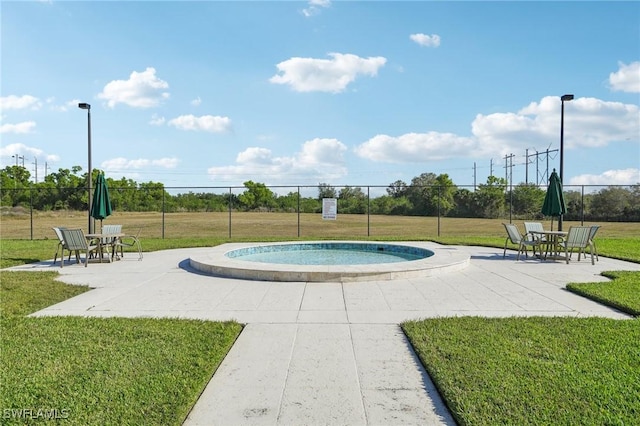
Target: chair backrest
74,239
111,229
533,226
593,231
578,236
514,234
58,233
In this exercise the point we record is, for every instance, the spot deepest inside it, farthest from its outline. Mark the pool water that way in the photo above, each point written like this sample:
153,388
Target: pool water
330,254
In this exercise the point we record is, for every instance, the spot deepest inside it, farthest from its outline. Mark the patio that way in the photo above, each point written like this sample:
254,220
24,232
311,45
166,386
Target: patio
289,325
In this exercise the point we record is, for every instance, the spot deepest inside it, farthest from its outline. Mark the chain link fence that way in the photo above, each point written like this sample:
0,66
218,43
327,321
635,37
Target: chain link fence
261,211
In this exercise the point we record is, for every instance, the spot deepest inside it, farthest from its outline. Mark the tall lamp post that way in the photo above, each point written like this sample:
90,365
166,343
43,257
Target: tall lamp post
88,108
563,99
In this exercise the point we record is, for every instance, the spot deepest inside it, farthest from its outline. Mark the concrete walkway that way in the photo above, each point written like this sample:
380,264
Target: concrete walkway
326,353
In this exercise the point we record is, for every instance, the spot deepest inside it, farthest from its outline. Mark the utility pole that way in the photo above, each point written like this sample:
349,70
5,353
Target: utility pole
526,166
35,161
474,175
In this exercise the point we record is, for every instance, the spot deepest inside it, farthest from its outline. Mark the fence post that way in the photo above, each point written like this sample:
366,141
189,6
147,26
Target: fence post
368,211
439,195
163,209
582,206
229,212
298,212
31,208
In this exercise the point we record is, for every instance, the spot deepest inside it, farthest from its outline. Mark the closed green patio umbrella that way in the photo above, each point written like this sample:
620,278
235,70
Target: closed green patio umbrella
554,204
101,205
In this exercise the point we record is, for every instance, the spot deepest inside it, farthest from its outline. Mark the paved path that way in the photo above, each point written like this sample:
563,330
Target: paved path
326,353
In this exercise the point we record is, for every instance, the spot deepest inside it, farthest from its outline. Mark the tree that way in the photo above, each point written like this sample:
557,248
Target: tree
257,196
418,193
326,191
289,202
610,203
431,195
528,200
490,197
397,189
352,200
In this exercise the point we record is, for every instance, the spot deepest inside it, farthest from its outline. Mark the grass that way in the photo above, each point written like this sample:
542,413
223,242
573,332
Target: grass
489,370
110,371
622,293
533,371
94,371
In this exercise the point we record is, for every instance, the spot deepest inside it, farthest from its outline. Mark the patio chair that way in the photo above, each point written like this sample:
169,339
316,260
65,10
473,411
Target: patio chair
76,242
108,241
129,241
514,235
530,229
61,246
578,240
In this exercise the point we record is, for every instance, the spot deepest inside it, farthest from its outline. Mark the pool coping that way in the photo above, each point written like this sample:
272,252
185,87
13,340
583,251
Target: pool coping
216,263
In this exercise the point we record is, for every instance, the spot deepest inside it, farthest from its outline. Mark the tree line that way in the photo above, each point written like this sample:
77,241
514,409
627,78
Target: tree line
426,195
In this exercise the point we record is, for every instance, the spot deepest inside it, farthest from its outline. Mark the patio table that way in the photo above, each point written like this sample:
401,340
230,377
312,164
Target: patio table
551,242
100,241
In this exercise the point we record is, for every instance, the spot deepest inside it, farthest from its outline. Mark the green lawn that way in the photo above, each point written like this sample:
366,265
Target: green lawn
541,371
533,371
147,371
97,371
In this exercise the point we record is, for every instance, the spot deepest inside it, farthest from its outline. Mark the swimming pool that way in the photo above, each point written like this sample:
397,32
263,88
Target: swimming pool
330,253
217,262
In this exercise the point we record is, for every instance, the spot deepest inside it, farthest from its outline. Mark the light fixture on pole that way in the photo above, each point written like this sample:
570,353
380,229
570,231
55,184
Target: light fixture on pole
563,99
89,173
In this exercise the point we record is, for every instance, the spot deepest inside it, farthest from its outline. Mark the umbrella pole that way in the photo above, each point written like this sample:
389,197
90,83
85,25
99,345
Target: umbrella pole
552,223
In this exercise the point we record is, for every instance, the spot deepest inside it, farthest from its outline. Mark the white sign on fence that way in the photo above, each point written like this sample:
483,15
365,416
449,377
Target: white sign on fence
329,208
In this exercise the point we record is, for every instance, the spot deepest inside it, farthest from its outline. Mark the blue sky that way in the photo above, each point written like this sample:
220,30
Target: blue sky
212,93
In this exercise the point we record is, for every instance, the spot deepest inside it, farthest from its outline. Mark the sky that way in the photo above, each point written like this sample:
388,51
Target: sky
288,93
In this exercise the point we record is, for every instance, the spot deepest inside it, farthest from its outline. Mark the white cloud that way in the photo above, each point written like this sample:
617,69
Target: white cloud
24,127
610,177
207,123
141,90
315,6
589,122
122,164
626,79
135,169
20,102
156,120
196,102
319,160
415,147
432,40
27,151
325,75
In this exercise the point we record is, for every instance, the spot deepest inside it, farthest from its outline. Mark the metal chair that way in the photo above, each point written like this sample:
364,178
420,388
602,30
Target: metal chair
76,242
578,239
530,229
514,235
61,246
129,241
108,241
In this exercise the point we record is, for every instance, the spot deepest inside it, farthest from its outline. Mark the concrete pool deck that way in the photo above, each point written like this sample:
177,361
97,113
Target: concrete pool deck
326,353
